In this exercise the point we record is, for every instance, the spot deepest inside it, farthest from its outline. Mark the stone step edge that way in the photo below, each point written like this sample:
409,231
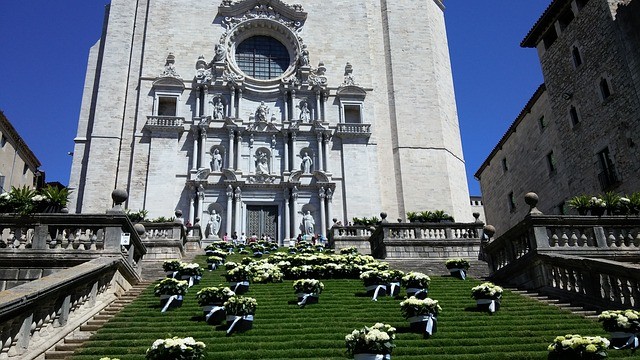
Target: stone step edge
573,308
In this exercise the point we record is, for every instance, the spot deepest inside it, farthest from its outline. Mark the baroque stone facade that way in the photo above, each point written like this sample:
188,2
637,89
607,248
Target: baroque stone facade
260,116
579,133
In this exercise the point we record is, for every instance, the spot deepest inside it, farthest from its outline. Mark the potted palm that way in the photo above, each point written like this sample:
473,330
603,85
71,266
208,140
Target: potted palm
307,291
458,267
487,296
240,311
171,292
624,326
417,284
176,348
581,203
371,343
212,299
422,314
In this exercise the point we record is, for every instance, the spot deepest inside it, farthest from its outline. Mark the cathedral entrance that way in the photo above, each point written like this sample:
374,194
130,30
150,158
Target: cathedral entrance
262,219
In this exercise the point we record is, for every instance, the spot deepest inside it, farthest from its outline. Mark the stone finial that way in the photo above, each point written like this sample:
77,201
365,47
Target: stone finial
119,196
531,199
489,231
383,216
320,71
179,219
139,228
476,215
201,64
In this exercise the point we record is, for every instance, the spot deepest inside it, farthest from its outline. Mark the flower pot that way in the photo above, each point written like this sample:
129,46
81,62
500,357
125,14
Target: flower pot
458,273
597,211
214,314
376,290
171,274
237,323
372,356
393,288
424,324
490,305
192,279
170,301
209,252
419,293
582,211
624,340
239,287
306,299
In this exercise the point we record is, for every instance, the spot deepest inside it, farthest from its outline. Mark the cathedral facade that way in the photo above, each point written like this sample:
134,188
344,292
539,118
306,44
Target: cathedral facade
265,117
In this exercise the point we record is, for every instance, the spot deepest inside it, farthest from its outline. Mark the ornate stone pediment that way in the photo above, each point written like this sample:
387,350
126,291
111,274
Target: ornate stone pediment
291,16
261,178
229,175
263,126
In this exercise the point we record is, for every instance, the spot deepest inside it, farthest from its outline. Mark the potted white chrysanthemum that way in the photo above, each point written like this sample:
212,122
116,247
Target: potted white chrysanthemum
171,292
371,343
176,348
624,326
214,261
375,282
569,347
458,267
240,312
238,278
212,299
416,283
191,273
487,296
307,291
172,267
422,314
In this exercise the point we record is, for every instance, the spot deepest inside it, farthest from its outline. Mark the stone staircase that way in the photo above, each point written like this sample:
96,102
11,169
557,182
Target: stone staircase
435,266
65,348
565,305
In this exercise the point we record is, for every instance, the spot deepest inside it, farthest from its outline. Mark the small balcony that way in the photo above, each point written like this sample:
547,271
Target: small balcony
164,123
346,130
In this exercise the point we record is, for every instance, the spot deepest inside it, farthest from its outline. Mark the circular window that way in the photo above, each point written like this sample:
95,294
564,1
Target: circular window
262,57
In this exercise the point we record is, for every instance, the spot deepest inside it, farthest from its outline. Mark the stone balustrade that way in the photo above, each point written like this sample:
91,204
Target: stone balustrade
36,315
353,130
341,237
164,241
166,122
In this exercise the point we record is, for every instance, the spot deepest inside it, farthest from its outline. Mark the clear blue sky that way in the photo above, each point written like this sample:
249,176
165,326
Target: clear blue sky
44,47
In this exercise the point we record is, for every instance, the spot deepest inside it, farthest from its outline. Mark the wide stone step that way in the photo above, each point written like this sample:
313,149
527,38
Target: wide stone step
58,355
68,347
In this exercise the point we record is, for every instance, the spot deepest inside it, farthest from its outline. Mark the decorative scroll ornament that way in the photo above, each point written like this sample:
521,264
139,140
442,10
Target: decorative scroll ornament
261,178
232,77
291,16
170,68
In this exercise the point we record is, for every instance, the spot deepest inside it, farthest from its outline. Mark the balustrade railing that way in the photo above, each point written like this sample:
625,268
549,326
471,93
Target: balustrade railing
165,121
572,235
353,129
164,231
36,315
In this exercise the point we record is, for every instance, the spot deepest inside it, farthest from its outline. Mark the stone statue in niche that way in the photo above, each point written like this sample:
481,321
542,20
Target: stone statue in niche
305,115
220,53
218,109
304,56
262,162
213,227
216,160
308,224
307,162
262,112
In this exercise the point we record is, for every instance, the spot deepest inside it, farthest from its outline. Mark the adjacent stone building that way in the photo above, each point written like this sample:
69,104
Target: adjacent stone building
579,133
18,164
261,116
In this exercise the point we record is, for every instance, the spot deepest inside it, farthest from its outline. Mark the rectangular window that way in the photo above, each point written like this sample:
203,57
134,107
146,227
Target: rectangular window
167,106
2,179
562,208
25,168
542,122
504,165
605,90
512,202
565,18
573,115
577,58
3,141
352,114
608,176
551,163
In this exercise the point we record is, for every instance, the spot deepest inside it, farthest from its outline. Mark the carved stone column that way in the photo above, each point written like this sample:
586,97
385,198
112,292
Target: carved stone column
251,161
329,201
285,158
317,112
325,144
294,151
194,153
205,99
239,103
231,147
198,102
287,217
239,151
323,224
192,207
320,150
238,196
285,106
273,154
201,202
203,144
229,209
294,204
232,104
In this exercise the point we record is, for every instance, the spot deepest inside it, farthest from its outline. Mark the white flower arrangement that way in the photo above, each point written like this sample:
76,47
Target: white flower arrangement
214,295
415,279
308,286
620,321
416,307
377,339
374,277
214,259
230,265
239,273
264,272
38,198
171,286
241,306
597,202
172,265
176,348
191,269
486,290
578,347
457,263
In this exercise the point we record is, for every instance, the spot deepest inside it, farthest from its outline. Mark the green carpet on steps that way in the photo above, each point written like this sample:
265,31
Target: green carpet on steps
521,329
